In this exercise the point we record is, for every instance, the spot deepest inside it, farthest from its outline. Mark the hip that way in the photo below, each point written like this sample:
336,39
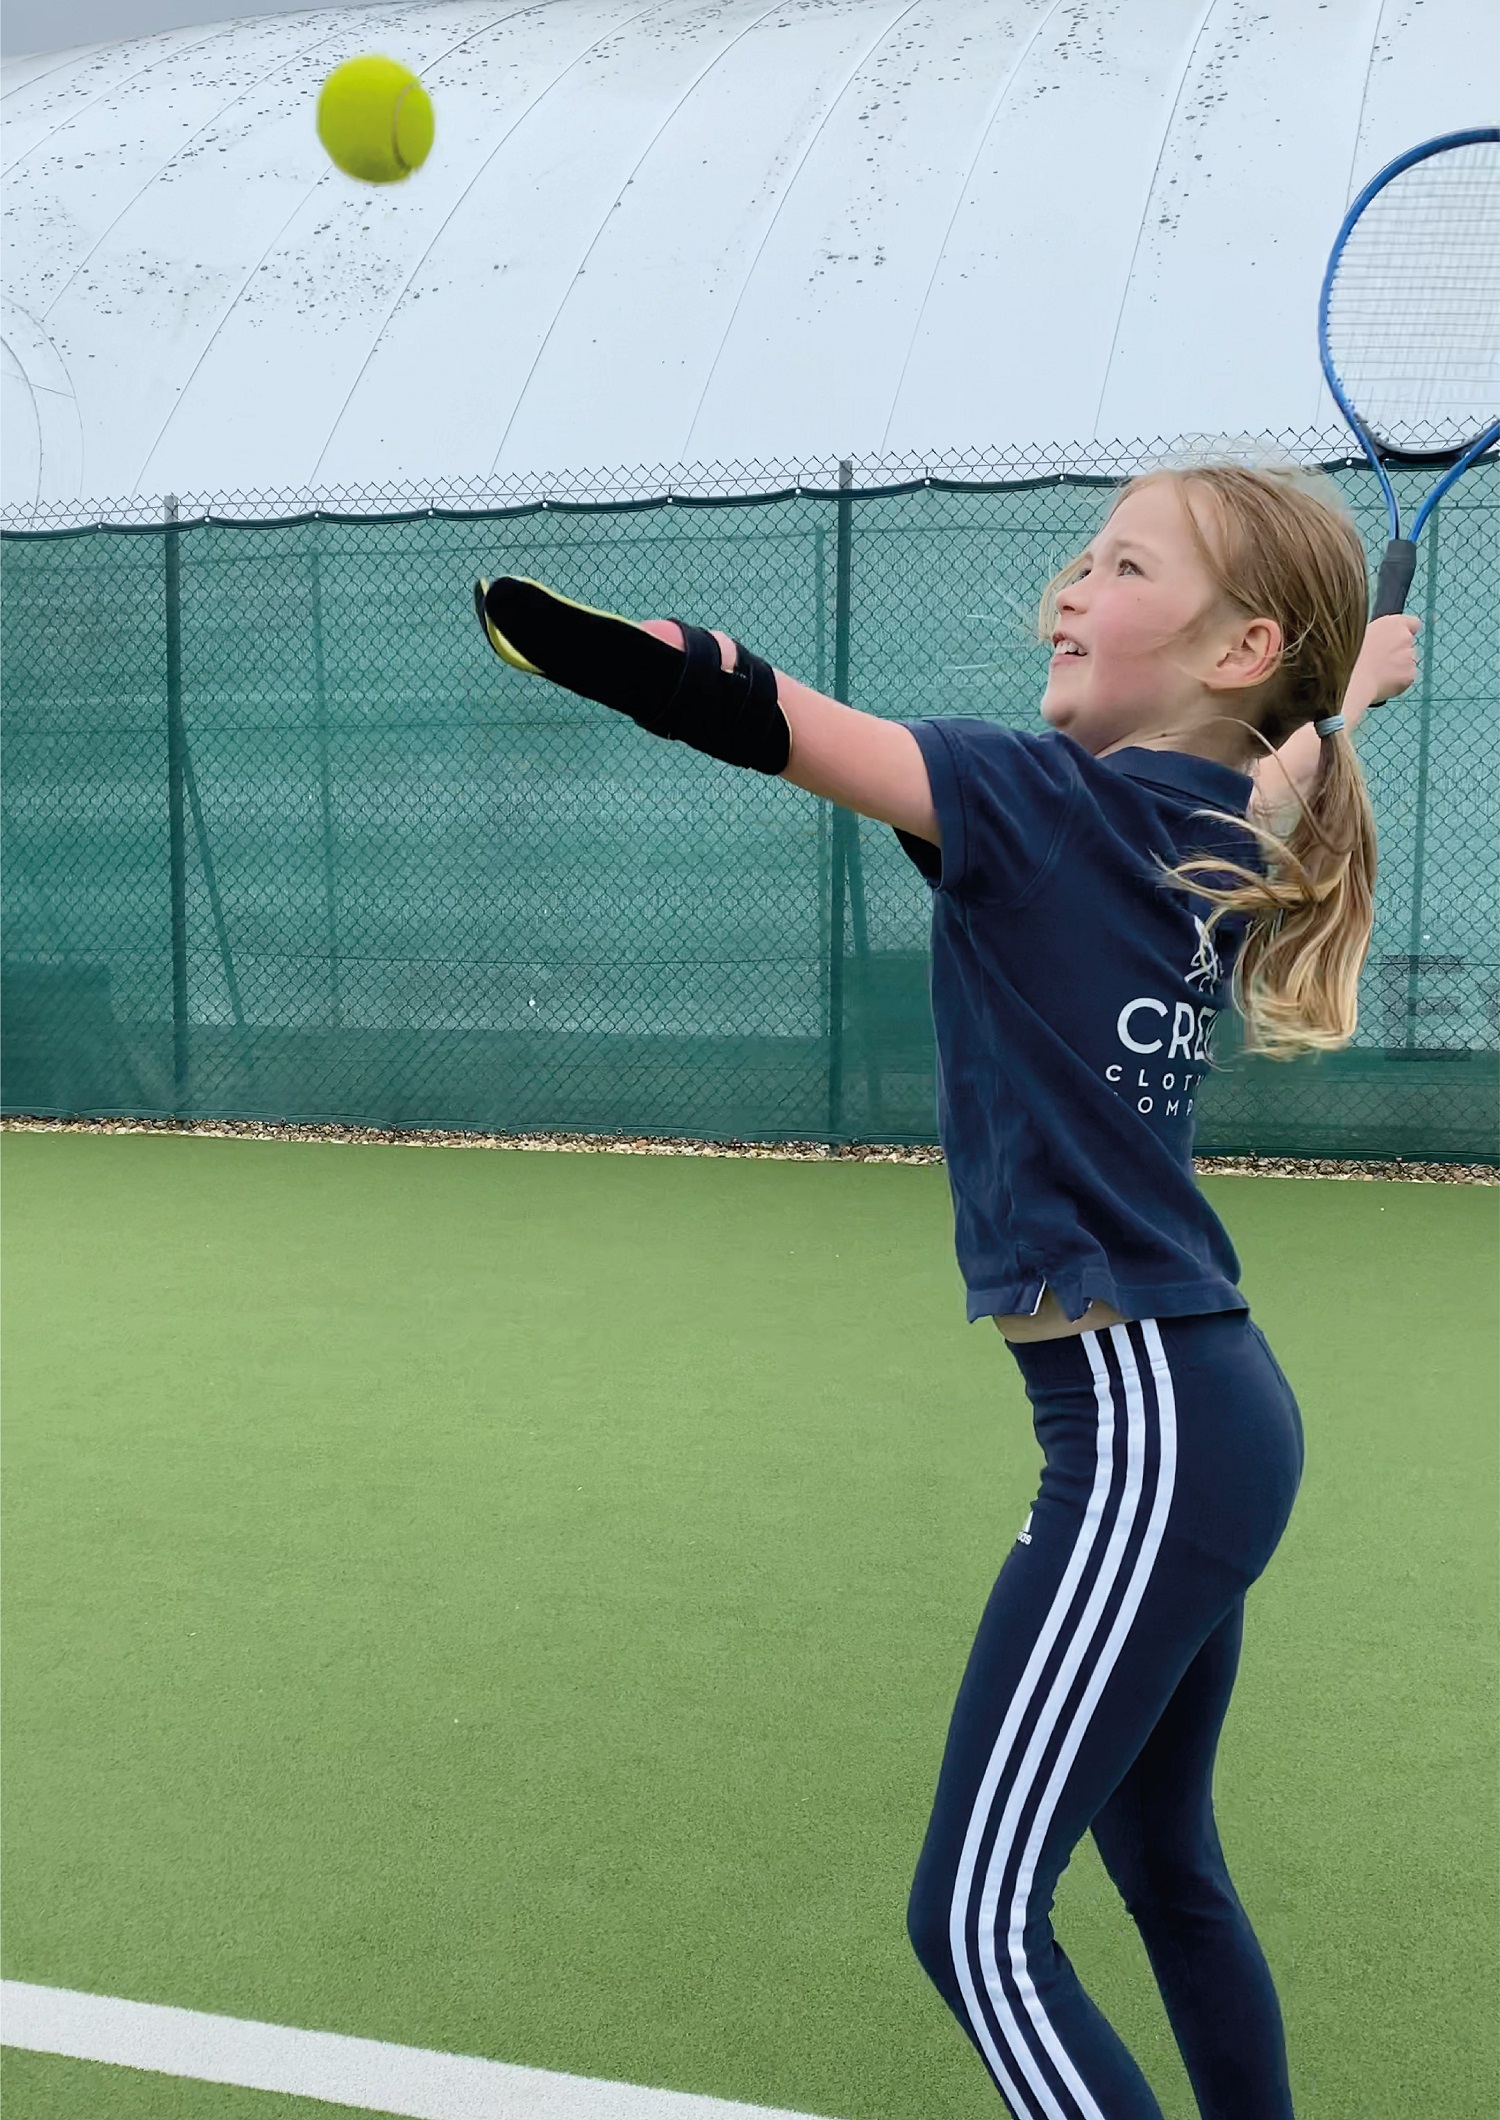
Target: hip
1200,1400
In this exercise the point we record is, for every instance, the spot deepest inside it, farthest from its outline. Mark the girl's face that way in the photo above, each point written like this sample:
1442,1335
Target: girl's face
1138,648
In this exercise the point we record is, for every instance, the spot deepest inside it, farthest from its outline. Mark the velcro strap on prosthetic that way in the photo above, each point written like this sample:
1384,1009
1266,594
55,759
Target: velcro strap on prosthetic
684,695
731,714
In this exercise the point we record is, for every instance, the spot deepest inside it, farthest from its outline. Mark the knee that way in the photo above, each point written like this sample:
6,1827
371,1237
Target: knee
1158,1892
1164,1875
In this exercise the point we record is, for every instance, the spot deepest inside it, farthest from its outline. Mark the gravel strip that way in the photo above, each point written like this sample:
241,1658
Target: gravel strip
669,1145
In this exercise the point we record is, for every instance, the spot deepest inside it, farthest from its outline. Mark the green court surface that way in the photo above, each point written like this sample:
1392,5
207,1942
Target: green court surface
509,1603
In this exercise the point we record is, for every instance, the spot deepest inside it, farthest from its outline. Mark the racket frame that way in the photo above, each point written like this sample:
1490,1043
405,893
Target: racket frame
1400,559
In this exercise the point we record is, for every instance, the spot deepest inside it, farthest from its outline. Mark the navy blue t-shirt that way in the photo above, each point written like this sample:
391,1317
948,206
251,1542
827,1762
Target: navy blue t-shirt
1074,993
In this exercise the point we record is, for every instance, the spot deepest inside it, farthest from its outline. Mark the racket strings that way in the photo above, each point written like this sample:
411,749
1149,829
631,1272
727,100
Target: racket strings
1414,306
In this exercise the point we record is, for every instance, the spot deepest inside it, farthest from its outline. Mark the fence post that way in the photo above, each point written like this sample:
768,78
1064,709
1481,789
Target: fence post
843,549
176,819
820,684
1414,951
820,609
325,787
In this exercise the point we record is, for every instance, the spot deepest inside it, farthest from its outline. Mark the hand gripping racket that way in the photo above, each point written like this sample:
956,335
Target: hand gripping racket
1409,324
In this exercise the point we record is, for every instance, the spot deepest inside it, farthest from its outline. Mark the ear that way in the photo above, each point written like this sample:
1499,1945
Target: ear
1246,657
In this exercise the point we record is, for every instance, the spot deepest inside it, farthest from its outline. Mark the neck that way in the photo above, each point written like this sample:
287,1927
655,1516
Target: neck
1223,742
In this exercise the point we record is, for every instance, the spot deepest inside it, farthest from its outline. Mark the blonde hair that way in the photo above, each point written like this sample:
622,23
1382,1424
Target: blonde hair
1279,543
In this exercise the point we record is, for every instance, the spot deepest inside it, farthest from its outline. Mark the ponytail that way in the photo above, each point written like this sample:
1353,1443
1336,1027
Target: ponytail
1311,914
1281,543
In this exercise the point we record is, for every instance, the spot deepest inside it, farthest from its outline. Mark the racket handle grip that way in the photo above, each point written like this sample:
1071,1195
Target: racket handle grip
1394,579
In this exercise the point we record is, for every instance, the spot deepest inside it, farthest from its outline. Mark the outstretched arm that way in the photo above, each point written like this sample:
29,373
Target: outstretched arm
875,767
1387,665
696,687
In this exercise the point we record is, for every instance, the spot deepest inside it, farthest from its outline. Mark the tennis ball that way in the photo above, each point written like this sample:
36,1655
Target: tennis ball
375,119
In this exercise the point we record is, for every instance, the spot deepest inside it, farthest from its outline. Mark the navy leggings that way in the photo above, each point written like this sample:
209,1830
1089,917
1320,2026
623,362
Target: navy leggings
1093,1699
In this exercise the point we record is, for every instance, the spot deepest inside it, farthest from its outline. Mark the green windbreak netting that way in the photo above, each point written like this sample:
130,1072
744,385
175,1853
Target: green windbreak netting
284,840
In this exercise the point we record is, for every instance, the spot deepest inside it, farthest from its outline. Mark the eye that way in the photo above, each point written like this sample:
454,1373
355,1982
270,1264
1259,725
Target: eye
1130,563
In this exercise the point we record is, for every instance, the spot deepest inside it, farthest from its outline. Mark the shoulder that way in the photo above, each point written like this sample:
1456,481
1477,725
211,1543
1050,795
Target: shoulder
992,744
1002,797
1009,766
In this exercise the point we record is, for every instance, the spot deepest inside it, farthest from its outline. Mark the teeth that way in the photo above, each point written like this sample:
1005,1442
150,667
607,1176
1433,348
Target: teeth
1068,647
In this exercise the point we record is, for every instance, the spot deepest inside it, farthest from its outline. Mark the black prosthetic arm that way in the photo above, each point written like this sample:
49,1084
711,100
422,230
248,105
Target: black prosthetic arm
683,694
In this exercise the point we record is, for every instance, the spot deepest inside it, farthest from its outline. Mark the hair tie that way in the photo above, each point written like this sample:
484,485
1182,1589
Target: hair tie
1329,725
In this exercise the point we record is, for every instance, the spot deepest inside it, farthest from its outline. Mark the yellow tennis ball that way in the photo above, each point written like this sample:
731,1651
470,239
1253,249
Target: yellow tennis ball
375,119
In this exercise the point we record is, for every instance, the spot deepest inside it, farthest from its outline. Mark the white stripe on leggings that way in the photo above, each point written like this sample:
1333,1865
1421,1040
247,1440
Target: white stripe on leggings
1020,1701
1078,1649
1074,1657
1108,1657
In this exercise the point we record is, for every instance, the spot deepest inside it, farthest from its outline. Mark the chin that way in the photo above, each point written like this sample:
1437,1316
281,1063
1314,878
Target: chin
1066,716
1087,725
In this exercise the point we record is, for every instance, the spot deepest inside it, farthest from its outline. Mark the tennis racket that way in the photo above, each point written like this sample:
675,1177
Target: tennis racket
1409,324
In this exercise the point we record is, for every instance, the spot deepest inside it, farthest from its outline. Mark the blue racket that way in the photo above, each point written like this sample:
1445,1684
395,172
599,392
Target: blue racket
1409,324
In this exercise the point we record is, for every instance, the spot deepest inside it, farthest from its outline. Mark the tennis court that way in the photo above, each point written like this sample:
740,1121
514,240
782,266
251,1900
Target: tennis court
508,1604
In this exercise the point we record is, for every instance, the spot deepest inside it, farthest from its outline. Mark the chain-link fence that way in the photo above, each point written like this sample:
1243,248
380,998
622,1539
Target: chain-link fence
284,840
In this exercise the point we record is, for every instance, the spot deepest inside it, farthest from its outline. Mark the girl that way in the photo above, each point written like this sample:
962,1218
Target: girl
1098,892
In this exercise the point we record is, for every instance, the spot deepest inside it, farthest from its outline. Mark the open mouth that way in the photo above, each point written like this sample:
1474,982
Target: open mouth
1065,649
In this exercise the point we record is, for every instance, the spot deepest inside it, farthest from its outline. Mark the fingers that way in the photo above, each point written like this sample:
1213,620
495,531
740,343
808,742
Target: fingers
1390,654
1393,634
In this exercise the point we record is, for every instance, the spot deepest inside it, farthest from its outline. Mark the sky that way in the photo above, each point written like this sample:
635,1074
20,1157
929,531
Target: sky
54,25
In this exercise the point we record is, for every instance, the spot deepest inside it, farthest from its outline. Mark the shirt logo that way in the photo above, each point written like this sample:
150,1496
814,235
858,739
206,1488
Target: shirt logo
1205,971
1023,1536
1179,1031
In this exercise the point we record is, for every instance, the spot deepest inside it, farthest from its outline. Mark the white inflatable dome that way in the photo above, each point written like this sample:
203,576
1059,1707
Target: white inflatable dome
692,232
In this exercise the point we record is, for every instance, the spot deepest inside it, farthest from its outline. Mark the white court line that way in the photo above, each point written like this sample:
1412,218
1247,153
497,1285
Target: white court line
326,2065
